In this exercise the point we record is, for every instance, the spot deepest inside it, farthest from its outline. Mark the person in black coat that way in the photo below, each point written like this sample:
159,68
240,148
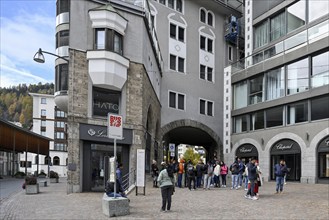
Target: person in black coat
252,178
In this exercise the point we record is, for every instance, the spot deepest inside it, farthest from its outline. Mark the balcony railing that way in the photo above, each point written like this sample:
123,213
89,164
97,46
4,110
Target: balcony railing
308,36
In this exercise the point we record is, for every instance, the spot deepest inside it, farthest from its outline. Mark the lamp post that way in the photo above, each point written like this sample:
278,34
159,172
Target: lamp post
39,57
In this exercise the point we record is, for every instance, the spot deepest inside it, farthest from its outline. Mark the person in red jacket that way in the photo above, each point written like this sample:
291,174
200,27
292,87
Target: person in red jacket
223,173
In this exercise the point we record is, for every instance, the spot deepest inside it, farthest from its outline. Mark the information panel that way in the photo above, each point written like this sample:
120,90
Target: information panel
140,171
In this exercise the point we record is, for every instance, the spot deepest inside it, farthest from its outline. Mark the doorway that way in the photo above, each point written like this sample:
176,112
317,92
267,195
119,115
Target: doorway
293,163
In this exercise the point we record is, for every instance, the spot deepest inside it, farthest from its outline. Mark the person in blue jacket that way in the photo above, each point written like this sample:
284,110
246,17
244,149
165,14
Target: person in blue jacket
280,170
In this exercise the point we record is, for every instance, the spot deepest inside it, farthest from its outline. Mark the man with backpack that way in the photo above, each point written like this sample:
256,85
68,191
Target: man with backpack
234,168
190,175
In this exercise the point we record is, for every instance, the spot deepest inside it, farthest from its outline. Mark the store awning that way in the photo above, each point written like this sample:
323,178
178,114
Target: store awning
14,138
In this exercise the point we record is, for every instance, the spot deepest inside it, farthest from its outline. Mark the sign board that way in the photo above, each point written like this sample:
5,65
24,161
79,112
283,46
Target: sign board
140,170
172,154
114,126
112,169
172,147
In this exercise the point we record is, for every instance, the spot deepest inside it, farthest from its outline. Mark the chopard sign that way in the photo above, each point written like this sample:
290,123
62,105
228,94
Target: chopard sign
98,133
284,147
327,142
245,150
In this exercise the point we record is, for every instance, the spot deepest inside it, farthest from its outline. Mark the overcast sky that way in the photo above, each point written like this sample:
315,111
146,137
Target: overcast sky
26,26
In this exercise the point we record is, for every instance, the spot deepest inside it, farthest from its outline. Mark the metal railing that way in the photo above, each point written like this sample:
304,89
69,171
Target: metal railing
128,180
307,36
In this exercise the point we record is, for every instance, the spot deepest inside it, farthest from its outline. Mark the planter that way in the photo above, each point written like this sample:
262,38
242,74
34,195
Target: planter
32,189
53,180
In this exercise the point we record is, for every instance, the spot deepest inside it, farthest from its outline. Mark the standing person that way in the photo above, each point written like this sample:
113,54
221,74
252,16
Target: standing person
208,169
241,171
119,173
180,172
216,174
199,173
280,171
259,181
155,173
190,175
167,183
252,177
223,173
234,168
246,175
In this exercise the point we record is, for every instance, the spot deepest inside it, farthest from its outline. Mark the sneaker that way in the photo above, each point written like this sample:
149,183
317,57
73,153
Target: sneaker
224,186
245,189
276,192
236,188
161,210
254,198
239,187
231,187
247,196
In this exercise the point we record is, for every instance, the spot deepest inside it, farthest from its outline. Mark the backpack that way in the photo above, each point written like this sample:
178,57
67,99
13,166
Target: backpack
190,169
170,172
233,167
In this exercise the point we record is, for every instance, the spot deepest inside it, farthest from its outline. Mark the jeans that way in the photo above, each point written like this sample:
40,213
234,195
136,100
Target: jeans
190,179
279,183
246,182
240,179
166,193
251,190
223,179
234,180
216,180
198,181
180,177
206,181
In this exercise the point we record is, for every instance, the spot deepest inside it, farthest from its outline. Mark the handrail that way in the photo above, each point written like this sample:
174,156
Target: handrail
128,180
308,36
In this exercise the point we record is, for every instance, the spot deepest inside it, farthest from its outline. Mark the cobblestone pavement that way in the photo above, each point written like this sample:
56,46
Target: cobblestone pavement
299,201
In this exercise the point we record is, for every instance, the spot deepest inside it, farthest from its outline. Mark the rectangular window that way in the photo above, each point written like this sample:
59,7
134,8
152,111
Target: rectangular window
210,45
172,31
62,6
171,4
202,43
297,112
61,77
257,121
179,5
320,108
43,112
261,35
172,99
43,123
43,101
181,64
317,9
206,107
320,70
172,62
230,53
274,84
209,74
117,44
278,26
256,89
162,2
105,101
62,38
297,76
274,117
177,100
296,15
181,34
202,107
181,101
240,124
100,39
202,72
240,95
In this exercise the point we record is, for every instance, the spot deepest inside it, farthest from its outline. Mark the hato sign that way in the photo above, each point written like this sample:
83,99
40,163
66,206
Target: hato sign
114,126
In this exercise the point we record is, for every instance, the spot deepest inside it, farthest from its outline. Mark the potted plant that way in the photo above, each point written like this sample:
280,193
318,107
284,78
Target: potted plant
53,177
19,175
31,185
42,174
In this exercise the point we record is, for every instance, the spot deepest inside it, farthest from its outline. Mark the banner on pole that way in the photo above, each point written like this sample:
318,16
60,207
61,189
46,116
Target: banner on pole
140,170
114,126
112,169
172,147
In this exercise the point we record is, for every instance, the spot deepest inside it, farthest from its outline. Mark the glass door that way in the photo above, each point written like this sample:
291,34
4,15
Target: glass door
323,165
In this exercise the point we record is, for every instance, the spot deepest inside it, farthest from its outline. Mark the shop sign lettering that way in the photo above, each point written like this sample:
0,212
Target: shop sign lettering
245,150
284,147
98,133
327,142
106,106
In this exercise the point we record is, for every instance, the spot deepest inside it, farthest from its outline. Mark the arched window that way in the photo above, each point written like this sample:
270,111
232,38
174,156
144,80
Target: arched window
203,15
210,19
36,159
47,160
56,161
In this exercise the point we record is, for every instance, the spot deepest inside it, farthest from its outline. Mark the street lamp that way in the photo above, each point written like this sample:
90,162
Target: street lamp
38,57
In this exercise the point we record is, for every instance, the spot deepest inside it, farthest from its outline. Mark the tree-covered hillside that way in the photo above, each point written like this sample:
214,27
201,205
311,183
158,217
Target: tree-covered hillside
16,105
